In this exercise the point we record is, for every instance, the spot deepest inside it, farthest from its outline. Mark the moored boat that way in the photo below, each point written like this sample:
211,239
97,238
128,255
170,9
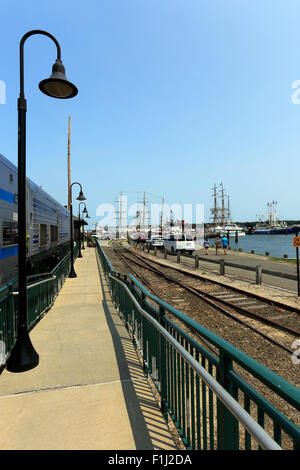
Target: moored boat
271,225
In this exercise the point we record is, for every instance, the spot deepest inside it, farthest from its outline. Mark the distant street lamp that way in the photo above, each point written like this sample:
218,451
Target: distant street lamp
87,217
23,355
81,244
79,198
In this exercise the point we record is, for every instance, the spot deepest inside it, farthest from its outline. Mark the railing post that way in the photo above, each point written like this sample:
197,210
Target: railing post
144,336
163,371
178,256
222,267
227,425
196,261
165,253
114,291
258,274
155,251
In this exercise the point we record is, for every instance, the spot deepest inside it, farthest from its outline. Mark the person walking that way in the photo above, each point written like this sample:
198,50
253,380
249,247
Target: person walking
206,245
224,241
218,245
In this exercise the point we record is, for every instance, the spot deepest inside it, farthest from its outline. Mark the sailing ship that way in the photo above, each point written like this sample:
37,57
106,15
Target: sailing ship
221,216
270,225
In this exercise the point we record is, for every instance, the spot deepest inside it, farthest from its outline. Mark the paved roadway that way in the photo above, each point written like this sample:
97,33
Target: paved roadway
89,390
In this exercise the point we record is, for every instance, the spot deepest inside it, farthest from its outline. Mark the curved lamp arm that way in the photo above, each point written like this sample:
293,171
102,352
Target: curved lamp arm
26,36
81,197
82,203
57,85
75,182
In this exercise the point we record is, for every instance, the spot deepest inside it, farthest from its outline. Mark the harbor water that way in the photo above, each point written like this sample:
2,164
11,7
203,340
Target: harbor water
276,245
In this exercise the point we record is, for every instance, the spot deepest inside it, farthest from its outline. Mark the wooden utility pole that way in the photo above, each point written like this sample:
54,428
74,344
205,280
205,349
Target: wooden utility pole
69,166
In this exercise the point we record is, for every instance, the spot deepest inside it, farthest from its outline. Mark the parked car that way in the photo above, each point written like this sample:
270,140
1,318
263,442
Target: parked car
180,242
155,242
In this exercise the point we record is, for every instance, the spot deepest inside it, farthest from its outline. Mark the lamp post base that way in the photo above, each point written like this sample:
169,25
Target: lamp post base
23,356
79,255
72,273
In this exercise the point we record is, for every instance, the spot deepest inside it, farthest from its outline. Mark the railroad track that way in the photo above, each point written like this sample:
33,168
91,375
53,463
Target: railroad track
155,292
219,297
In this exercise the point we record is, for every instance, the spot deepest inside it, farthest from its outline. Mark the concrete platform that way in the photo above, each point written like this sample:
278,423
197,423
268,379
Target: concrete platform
89,390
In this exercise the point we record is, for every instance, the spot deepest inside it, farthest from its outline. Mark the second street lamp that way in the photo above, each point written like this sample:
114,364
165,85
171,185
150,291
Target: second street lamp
87,217
23,355
79,198
81,244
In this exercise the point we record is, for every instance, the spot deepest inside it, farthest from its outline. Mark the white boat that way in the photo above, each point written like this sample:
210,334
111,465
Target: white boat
232,229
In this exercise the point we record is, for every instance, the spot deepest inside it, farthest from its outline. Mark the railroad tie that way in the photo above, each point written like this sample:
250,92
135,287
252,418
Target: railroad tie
282,315
220,294
248,303
262,306
235,298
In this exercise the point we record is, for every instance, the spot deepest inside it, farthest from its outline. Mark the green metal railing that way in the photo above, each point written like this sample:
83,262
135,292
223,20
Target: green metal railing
201,417
42,290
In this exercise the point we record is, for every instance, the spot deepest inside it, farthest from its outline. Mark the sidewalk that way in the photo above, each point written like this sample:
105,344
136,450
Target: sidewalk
243,259
253,260
89,390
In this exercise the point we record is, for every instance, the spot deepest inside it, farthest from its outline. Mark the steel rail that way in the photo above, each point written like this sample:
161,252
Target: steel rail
212,348
241,310
136,274
218,307
233,288
256,431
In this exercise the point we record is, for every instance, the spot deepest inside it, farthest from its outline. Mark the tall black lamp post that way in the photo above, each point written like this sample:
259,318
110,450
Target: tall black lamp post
23,355
79,198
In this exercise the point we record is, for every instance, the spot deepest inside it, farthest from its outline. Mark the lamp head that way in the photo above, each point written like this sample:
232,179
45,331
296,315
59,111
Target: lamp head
57,85
81,197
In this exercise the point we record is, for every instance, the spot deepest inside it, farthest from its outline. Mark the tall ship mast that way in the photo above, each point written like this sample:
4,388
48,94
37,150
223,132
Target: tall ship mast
215,210
223,206
221,216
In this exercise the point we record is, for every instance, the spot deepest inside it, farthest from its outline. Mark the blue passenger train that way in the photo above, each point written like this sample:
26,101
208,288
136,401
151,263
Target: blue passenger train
48,226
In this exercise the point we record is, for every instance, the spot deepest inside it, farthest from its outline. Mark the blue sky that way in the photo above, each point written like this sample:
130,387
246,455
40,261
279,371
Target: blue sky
174,96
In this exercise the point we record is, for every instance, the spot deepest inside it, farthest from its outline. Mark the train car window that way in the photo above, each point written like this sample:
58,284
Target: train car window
11,177
53,233
43,235
10,233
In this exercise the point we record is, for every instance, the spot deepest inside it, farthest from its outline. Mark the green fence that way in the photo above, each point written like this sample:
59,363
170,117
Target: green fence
200,415
42,290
